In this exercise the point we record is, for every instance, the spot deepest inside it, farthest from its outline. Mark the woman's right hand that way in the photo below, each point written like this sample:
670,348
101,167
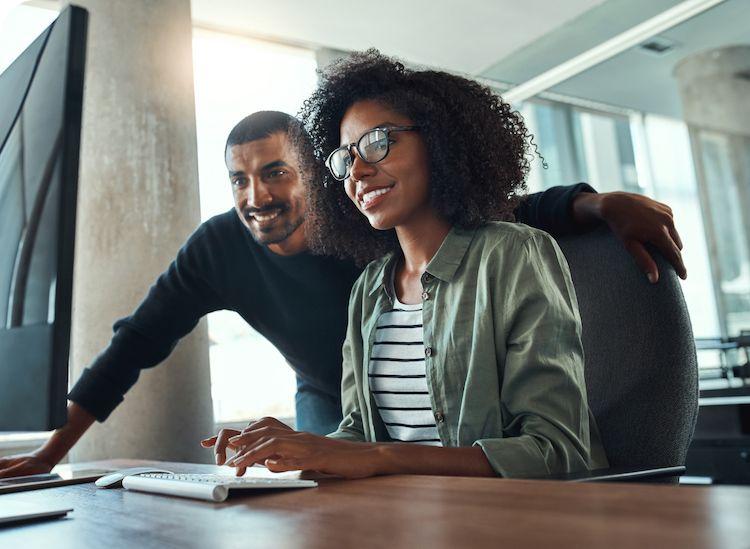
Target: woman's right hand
19,465
220,443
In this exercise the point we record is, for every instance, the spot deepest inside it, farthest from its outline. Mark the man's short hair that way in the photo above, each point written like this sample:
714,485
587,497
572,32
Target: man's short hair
260,125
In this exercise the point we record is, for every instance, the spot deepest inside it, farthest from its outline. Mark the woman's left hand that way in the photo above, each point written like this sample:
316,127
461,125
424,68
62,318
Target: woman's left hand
270,442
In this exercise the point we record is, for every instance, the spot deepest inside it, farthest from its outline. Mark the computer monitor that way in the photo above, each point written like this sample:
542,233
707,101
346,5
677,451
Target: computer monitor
41,97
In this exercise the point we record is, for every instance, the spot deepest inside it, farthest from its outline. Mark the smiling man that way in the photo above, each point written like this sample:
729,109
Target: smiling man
254,260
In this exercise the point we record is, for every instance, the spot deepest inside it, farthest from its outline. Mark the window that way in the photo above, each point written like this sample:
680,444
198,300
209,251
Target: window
236,76
645,154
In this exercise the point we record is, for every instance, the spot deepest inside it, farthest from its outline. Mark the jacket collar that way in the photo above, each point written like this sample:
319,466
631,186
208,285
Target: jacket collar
443,265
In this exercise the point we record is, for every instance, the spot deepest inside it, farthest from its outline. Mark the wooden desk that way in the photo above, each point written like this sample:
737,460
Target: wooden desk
398,511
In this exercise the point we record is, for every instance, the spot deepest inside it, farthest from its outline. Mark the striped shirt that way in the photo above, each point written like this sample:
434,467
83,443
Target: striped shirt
397,376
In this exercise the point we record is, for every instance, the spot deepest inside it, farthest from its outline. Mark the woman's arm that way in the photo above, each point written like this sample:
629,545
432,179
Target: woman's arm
545,412
272,443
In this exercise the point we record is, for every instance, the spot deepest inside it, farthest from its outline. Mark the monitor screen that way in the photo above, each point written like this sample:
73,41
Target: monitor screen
41,95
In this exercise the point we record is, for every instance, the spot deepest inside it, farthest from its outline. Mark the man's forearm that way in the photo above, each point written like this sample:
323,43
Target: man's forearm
64,438
415,459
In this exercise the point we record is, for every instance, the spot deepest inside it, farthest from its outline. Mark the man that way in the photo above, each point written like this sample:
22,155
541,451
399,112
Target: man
255,261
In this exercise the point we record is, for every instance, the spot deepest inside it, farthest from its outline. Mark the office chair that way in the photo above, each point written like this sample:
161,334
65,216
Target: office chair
640,364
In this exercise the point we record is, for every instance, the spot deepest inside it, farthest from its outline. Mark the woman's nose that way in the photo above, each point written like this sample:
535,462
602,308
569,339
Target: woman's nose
360,169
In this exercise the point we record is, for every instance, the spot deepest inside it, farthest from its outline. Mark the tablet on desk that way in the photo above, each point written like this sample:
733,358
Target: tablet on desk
13,512
49,480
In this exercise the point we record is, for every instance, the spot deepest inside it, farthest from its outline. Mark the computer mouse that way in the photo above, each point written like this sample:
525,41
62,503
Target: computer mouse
114,480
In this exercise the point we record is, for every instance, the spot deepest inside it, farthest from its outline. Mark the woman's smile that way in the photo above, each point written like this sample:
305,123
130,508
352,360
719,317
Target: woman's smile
371,197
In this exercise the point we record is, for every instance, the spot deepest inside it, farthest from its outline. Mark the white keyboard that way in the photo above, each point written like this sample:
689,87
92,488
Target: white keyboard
207,487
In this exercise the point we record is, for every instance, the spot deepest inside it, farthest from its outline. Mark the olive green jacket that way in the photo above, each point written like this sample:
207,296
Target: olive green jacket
504,361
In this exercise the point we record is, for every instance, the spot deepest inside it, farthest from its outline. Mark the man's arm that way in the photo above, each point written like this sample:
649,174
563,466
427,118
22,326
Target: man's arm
172,308
635,219
50,454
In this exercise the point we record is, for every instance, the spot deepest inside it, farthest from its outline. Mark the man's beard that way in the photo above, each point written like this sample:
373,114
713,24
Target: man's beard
276,234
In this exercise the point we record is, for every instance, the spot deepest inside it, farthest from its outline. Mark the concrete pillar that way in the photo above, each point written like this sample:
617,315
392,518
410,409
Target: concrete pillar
714,88
137,203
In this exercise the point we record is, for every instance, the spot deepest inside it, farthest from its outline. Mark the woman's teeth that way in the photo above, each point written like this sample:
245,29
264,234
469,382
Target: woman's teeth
367,198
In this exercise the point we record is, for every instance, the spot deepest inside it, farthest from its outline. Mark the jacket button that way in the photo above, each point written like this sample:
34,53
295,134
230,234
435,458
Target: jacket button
428,351
426,278
425,296
439,417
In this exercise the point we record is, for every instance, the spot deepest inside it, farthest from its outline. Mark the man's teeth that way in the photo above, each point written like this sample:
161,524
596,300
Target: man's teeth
266,217
372,195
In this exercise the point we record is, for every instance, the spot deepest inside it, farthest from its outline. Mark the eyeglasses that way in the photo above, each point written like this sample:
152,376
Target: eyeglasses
372,147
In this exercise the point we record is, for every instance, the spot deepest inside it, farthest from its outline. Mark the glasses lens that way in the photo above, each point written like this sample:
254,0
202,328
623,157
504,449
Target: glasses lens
373,146
339,163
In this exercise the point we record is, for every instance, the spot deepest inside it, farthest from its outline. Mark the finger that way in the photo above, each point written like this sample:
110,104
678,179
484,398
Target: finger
671,252
222,441
240,472
265,422
17,470
643,259
280,465
675,235
249,438
208,442
269,449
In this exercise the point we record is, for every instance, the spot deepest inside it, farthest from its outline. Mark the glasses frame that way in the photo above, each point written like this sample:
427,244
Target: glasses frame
348,148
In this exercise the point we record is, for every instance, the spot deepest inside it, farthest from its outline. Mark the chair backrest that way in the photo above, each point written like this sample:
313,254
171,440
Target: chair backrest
641,367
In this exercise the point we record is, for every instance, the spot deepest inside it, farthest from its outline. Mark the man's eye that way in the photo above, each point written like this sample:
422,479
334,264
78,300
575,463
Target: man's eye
276,173
239,182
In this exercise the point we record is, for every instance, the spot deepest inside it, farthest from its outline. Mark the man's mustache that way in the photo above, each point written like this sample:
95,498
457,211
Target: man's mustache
269,208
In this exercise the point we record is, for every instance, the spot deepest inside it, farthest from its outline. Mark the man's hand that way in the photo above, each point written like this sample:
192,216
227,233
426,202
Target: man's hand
636,220
280,448
24,464
50,454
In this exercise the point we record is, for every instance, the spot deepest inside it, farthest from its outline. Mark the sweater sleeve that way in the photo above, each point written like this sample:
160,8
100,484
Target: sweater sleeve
171,309
552,210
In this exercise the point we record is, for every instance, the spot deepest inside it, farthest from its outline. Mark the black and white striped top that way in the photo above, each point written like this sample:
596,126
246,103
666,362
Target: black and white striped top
397,376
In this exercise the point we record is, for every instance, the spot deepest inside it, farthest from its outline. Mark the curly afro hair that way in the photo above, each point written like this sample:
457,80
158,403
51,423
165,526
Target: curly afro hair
478,150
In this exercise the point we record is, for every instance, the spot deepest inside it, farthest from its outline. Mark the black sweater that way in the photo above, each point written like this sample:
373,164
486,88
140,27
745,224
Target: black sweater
298,302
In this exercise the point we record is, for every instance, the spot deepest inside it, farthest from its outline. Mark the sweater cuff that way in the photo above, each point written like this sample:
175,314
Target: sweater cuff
569,196
95,394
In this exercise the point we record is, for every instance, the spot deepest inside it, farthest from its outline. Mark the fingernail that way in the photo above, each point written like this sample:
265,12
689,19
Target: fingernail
651,277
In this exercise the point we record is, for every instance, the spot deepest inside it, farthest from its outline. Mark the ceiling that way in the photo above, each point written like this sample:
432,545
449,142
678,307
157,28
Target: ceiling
507,41
467,36
639,80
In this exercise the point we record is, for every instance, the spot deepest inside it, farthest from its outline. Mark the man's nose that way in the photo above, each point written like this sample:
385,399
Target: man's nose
257,194
360,169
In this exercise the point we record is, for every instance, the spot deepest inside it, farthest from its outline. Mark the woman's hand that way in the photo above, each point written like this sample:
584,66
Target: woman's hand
220,443
280,448
636,220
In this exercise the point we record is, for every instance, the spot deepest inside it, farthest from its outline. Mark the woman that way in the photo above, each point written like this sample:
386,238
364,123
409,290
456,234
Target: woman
463,352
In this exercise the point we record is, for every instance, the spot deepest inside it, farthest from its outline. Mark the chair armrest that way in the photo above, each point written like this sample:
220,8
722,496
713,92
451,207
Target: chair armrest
619,474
